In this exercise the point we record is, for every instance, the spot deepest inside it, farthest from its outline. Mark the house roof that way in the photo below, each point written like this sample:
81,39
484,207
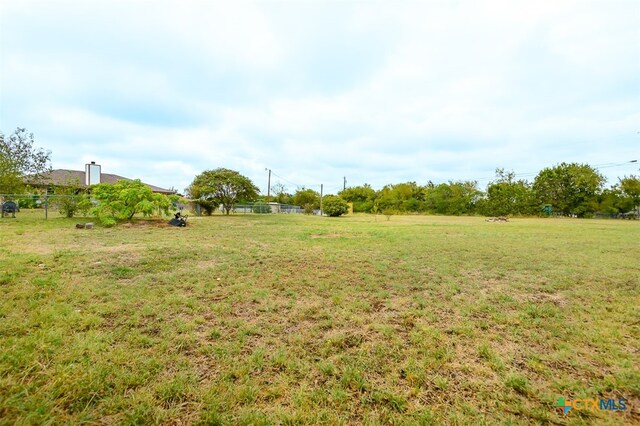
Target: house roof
63,177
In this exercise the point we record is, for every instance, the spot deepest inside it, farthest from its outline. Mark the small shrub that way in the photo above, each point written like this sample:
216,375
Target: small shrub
388,213
29,203
207,206
71,205
335,206
71,199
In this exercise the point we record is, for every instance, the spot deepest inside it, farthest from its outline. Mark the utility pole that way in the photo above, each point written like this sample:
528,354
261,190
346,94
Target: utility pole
344,185
321,187
269,186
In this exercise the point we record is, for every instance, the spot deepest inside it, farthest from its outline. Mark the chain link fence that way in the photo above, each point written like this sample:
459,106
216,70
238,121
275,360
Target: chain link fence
46,206
262,208
33,205
252,208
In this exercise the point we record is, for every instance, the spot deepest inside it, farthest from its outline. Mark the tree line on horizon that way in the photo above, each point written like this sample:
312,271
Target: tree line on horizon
569,189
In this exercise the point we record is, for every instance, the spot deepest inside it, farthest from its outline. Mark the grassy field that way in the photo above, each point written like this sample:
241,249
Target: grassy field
289,319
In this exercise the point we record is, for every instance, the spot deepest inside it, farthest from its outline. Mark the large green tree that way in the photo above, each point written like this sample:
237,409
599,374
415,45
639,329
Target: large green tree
280,195
405,197
223,187
362,197
308,199
19,160
612,201
508,196
570,188
453,198
630,188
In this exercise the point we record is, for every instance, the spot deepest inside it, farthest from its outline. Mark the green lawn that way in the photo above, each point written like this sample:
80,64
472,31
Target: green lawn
289,319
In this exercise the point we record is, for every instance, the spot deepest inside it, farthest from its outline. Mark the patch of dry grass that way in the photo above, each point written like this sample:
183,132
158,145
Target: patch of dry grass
285,319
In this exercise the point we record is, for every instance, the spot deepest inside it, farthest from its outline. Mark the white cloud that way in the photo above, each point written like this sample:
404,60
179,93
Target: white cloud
377,91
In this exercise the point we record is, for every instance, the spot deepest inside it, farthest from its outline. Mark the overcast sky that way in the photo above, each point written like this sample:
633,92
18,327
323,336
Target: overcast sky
377,91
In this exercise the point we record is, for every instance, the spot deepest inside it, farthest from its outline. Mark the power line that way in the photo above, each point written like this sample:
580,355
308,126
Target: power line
595,166
286,180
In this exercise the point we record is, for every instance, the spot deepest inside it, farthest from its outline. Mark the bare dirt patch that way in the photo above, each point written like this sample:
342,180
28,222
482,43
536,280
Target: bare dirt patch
555,299
154,223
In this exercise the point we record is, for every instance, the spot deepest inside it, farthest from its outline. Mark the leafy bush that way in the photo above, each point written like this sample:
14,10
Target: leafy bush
71,205
107,221
363,206
208,206
126,198
302,197
71,199
29,203
335,206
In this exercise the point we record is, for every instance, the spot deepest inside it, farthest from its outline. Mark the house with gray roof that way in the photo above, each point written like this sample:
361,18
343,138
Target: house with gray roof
91,175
